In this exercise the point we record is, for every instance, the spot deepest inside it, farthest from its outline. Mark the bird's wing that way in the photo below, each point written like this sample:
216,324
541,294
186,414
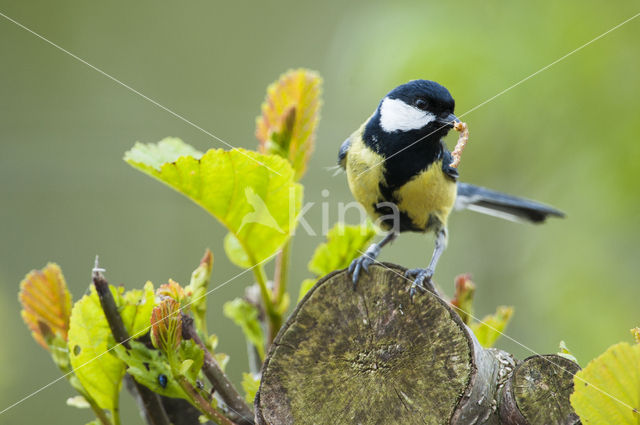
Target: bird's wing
342,153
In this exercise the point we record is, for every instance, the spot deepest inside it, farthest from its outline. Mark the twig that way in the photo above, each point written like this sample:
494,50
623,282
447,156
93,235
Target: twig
217,377
154,411
202,404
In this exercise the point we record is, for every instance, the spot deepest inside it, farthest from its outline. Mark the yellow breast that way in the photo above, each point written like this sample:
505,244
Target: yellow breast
430,193
365,171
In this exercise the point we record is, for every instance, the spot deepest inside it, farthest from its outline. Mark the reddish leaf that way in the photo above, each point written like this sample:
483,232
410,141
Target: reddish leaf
290,116
46,304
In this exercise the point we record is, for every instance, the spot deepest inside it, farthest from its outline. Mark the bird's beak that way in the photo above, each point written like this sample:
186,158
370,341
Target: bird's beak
449,119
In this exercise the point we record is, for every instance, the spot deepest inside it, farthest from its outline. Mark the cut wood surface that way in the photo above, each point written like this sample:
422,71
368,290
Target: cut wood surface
374,356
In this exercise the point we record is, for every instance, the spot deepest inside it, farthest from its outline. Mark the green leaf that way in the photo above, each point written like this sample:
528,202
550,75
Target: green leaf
155,155
566,353
185,366
197,291
290,116
147,365
492,326
135,309
189,350
245,315
250,385
253,195
305,286
344,244
607,391
99,371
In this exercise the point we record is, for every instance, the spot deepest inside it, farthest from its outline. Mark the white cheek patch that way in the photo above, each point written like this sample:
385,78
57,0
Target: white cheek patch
396,115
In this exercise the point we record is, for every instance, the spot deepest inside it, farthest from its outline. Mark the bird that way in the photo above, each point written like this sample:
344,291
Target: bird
399,169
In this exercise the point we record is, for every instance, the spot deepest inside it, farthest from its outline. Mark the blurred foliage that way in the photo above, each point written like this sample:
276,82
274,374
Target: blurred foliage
607,391
344,244
488,329
565,137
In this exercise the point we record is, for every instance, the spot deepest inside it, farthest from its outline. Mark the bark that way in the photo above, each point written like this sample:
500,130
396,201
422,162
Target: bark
374,356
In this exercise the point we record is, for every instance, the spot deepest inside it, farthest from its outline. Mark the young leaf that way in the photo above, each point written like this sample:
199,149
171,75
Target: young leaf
290,116
99,372
172,290
245,315
463,298
151,369
489,330
166,326
250,385
135,309
46,304
344,244
197,289
257,203
566,353
607,391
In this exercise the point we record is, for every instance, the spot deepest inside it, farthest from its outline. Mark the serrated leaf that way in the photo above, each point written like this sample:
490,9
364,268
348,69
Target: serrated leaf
607,391
250,385
253,195
305,286
100,372
344,244
492,326
46,304
166,150
245,315
290,116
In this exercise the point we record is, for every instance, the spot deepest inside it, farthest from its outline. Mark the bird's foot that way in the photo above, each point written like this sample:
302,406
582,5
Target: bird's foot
362,263
421,280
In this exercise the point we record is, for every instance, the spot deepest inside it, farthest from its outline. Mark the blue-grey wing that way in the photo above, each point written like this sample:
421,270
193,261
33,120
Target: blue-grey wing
342,154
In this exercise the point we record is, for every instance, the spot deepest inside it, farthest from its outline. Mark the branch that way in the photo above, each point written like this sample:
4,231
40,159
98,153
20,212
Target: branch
153,409
378,356
217,377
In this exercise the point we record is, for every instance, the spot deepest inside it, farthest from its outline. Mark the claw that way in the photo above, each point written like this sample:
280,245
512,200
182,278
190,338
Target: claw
421,279
361,263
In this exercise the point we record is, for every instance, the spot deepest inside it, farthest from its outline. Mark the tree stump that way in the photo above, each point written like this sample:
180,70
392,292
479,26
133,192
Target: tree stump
374,356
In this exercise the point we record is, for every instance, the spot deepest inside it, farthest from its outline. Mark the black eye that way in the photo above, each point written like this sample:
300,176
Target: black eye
421,103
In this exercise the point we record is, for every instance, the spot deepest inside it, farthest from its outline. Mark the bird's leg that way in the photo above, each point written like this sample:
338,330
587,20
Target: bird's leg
422,277
365,260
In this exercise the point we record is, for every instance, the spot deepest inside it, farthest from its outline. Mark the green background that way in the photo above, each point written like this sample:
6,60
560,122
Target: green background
568,136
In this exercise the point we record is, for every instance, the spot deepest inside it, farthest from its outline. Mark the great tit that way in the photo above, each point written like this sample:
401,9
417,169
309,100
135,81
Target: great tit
398,168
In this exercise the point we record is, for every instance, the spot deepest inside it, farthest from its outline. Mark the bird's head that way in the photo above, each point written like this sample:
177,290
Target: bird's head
419,106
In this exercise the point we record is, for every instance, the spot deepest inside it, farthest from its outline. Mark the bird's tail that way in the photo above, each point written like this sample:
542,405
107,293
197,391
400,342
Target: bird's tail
501,205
